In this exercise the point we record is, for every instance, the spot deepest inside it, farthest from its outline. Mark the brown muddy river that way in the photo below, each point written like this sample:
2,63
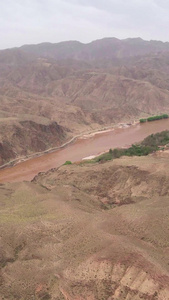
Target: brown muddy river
119,137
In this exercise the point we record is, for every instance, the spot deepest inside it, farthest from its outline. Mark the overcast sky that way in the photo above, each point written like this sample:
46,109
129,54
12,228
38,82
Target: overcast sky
36,21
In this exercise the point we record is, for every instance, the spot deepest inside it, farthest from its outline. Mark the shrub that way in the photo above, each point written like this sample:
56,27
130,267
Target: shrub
68,162
117,153
143,120
148,145
154,118
110,151
103,157
165,116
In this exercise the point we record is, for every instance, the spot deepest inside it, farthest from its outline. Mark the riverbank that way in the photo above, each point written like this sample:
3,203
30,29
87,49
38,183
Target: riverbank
78,149
151,144
72,140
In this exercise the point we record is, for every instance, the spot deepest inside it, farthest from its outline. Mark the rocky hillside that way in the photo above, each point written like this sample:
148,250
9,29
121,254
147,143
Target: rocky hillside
80,87
91,232
104,49
27,137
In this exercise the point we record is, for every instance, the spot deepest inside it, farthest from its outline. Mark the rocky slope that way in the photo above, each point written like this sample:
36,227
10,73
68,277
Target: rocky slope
88,232
79,87
27,137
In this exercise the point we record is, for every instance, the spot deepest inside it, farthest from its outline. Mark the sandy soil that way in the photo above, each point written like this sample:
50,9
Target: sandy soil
91,232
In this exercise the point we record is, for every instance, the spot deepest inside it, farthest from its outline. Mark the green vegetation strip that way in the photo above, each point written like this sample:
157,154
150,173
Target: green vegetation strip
152,143
68,162
154,118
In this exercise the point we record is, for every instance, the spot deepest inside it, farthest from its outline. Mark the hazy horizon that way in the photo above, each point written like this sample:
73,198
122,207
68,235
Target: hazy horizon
54,21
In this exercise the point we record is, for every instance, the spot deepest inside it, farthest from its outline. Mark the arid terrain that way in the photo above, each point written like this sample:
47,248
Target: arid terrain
95,230
88,231
73,88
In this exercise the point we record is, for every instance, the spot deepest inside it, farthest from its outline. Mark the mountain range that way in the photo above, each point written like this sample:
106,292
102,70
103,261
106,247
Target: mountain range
77,87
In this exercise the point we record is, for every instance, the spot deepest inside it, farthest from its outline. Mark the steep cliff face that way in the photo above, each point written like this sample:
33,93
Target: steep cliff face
27,137
6,152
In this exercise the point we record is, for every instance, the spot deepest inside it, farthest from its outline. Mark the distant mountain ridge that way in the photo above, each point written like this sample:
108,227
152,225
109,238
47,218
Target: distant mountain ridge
106,48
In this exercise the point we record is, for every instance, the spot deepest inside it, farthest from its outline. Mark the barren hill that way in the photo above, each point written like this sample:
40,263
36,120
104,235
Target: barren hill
80,87
88,232
104,49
